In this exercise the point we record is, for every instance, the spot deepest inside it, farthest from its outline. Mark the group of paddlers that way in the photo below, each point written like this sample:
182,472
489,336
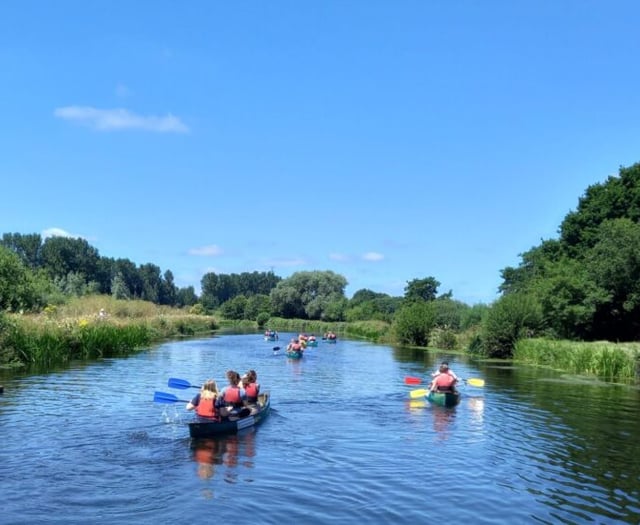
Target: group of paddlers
238,399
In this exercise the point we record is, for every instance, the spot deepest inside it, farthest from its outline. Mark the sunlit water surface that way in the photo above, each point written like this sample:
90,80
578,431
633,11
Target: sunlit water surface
344,444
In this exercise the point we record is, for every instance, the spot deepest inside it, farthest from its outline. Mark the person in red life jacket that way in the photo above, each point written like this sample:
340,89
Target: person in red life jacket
232,397
444,381
449,371
205,401
251,387
295,346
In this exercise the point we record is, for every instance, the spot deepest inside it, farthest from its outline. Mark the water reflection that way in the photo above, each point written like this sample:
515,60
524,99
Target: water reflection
224,455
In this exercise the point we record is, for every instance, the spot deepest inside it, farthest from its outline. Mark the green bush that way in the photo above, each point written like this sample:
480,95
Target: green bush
512,317
413,323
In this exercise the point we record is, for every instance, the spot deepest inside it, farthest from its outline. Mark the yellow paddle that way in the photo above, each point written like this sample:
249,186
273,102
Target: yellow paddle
421,392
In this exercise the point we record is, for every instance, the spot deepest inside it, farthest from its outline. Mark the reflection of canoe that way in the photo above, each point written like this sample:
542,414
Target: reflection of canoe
444,399
294,354
201,428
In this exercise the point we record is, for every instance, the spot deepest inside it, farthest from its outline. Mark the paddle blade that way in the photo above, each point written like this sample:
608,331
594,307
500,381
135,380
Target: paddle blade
182,384
164,397
412,380
474,381
421,392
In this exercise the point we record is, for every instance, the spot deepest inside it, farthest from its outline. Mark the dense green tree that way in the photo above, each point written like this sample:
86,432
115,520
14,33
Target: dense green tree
617,198
186,296
63,255
421,289
151,282
20,288
256,305
414,322
234,307
511,317
119,288
305,295
614,265
27,247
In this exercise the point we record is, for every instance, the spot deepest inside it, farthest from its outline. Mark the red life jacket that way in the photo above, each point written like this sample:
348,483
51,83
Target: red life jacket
252,390
444,382
232,396
207,408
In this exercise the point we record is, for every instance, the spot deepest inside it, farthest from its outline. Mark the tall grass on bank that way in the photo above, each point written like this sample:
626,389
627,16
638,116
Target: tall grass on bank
78,331
607,361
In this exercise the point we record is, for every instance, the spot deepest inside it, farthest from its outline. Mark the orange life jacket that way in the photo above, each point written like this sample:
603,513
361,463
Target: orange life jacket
207,408
252,390
232,396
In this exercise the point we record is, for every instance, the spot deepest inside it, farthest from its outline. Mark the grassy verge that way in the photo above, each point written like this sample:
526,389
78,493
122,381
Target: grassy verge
605,360
77,330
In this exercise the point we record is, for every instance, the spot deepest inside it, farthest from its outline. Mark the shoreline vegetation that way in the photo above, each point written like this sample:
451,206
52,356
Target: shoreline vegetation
100,326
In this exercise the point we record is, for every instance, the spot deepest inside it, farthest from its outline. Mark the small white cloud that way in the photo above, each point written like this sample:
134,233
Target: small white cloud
207,251
58,232
118,119
372,256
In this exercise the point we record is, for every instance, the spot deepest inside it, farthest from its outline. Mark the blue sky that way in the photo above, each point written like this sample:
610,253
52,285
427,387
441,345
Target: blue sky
383,140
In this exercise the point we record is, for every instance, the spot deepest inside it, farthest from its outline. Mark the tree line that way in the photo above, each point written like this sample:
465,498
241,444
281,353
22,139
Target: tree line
584,285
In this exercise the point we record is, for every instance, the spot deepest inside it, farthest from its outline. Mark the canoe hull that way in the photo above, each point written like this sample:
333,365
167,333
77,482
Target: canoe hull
294,355
444,399
205,429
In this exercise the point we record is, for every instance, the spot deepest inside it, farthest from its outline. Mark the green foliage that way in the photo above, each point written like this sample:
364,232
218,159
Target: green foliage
473,316
414,322
234,308
20,288
449,313
443,338
608,361
256,305
262,319
512,317
197,309
421,289
307,295
617,198
381,307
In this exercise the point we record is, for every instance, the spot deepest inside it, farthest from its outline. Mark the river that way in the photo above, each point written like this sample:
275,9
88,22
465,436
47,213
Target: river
344,444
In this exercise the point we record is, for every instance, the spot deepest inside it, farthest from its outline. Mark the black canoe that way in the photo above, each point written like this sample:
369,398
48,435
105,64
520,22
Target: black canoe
201,428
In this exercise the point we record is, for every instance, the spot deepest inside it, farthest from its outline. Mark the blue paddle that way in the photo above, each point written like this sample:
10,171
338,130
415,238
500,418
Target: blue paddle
164,397
181,384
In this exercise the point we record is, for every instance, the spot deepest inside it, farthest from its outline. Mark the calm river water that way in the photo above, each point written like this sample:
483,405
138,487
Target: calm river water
343,445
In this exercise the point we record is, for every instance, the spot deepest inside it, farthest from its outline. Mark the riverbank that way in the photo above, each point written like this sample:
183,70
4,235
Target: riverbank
90,328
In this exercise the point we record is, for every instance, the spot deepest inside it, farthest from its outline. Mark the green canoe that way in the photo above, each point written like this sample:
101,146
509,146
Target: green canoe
444,399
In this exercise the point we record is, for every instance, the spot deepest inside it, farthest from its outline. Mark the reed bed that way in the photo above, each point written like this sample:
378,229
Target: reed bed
79,330
602,359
